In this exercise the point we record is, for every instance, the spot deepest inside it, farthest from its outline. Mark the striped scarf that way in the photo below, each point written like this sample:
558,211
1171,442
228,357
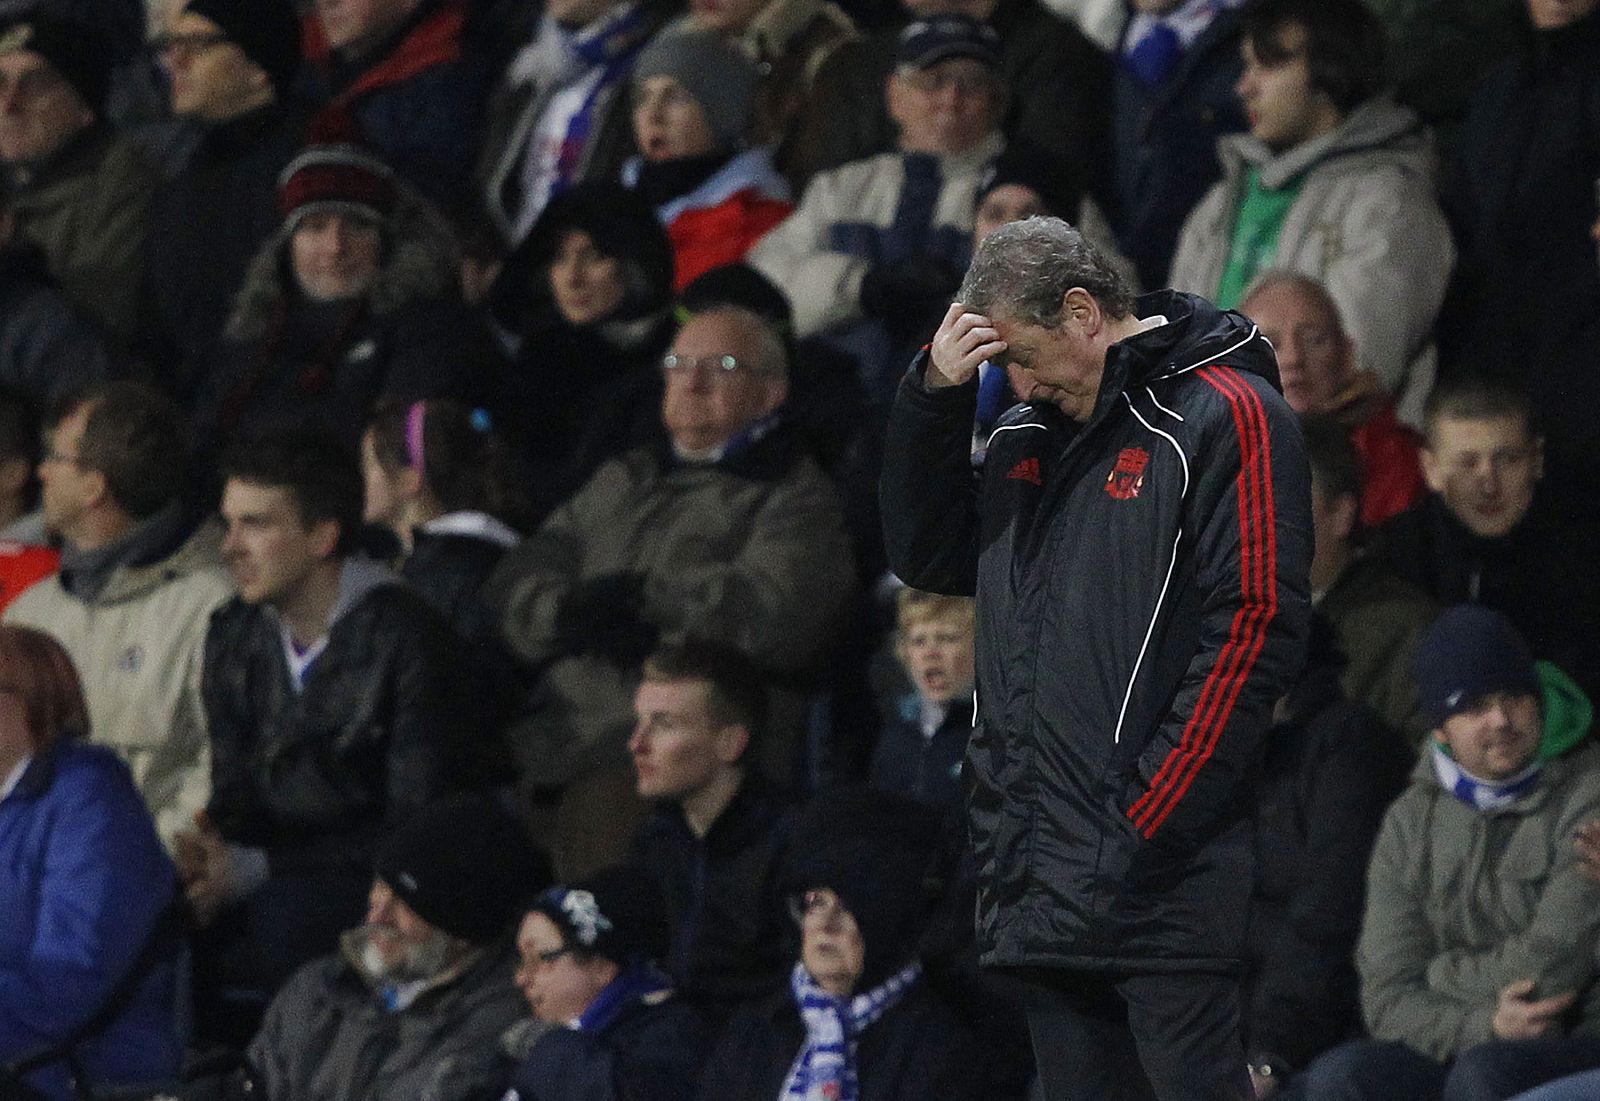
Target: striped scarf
1482,795
825,1069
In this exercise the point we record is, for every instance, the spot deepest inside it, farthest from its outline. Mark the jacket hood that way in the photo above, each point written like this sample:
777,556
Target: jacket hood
202,550
1567,711
1196,333
1379,131
357,579
421,260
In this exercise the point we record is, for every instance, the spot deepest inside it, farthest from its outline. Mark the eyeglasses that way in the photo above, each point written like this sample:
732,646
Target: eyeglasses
815,904
187,45
720,366
540,960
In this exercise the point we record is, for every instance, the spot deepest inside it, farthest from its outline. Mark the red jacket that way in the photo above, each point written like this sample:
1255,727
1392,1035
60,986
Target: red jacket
712,236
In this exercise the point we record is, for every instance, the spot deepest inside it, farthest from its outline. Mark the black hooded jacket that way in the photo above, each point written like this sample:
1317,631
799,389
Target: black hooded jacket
1142,602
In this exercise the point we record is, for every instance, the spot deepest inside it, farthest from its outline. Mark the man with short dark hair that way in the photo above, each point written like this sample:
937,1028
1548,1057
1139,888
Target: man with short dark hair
1138,541
727,530
1487,534
139,580
716,834
329,692
81,192
1334,180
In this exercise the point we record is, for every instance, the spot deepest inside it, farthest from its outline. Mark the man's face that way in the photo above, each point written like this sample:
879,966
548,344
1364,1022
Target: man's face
212,79
1485,468
558,983
67,489
1495,737
360,24
39,111
1283,109
268,547
949,107
579,13
705,405
1550,15
400,945
937,652
586,284
668,122
1056,366
1315,358
335,255
725,16
678,750
1007,203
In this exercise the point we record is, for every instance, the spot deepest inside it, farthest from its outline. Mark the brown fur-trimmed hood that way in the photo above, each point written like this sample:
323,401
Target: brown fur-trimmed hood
421,260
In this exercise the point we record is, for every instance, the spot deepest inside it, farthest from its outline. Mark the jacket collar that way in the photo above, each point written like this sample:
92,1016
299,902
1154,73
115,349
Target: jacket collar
1378,125
747,818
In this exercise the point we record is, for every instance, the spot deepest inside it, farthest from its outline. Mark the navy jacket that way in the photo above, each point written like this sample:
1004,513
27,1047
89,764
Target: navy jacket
651,1052
83,883
1142,602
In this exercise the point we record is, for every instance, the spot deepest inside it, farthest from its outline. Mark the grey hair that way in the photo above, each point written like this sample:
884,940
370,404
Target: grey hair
771,351
1025,269
1296,281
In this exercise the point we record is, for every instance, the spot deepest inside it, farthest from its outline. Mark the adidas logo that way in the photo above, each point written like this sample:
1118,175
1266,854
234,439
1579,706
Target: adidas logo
1027,471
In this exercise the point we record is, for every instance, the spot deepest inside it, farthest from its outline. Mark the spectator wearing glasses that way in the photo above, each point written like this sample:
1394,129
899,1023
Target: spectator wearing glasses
589,953
860,1020
726,531
231,65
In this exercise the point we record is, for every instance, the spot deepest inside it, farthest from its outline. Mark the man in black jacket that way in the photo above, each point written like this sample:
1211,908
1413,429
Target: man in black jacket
1138,541
328,691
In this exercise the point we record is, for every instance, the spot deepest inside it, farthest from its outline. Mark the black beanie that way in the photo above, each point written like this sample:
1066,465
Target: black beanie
465,866
268,31
616,913
77,51
880,855
1038,170
1469,652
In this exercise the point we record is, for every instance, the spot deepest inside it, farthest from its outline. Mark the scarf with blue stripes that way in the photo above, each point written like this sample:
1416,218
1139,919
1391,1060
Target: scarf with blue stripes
825,1069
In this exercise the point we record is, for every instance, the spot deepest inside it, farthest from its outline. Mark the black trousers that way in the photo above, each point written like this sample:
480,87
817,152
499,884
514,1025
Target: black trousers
1171,1037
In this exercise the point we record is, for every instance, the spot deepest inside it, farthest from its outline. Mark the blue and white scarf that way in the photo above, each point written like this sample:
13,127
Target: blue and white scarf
825,1069
1483,795
638,983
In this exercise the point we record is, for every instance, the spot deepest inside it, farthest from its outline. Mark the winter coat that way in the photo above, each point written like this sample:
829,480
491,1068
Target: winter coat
1163,144
206,226
915,766
1330,771
651,1052
1058,83
717,222
1142,600
750,551
724,893
315,774
1537,575
1377,617
820,254
287,360
918,1049
48,346
328,1037
139,650
1461,903
418,99
1365,224
88,207
85,885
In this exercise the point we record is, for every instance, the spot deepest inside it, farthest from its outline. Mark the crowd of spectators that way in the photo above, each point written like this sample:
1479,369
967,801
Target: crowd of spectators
447,647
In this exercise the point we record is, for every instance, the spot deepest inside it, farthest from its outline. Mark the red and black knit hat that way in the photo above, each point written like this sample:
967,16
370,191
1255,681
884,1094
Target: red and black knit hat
336,173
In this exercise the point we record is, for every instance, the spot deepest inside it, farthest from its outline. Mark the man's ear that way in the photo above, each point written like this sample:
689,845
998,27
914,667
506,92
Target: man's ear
14,475
733,740
1080,311
1432,468
325,538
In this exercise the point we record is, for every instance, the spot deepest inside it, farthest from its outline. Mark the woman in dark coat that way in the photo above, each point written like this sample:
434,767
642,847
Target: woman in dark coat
590,297
859,1022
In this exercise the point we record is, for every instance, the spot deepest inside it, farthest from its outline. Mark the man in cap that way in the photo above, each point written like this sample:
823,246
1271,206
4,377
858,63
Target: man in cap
414,1000
80,192
1476,955
874,239
232,64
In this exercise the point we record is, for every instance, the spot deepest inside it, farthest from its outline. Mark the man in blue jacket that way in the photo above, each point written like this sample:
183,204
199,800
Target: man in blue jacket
1138,540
